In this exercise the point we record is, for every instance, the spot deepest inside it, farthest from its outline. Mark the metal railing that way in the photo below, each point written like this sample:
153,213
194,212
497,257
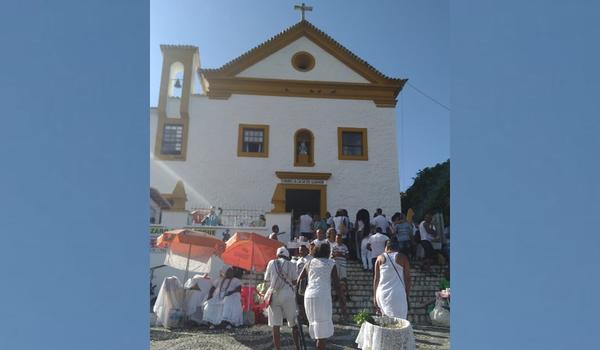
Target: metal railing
227,217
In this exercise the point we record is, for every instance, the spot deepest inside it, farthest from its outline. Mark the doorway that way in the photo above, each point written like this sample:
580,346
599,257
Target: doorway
301,201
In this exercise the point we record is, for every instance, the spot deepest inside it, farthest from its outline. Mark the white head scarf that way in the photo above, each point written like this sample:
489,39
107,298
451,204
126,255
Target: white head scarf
190,283
169,298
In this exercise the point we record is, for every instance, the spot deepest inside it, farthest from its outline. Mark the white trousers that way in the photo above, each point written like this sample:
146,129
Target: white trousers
366,259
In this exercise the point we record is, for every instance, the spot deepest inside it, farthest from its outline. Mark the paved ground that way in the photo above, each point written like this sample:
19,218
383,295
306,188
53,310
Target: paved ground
259,338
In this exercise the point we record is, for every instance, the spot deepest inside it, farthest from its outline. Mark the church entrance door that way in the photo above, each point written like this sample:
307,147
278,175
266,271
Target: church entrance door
300,201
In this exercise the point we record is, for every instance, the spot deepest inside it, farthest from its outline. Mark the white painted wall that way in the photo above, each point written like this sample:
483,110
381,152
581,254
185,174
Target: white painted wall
279,66
214,175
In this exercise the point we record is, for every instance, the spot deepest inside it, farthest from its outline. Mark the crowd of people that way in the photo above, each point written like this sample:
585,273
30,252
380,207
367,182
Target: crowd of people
384,247
365,238
301,280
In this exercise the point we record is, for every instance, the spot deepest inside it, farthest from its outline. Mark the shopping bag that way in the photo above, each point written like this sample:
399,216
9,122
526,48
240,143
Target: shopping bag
439,315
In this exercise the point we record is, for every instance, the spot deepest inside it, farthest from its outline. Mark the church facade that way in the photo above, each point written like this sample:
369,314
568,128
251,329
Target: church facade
298,123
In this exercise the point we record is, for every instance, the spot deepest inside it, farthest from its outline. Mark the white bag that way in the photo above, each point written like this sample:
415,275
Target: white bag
439,315
175,316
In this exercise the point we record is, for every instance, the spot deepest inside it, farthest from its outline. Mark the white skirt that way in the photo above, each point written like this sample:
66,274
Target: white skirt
319,312
193,304
232,309
392,303
213,311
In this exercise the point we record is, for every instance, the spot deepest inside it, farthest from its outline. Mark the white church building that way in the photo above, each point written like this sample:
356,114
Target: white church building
298,123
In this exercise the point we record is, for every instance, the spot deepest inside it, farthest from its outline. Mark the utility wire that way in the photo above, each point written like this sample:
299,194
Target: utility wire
429,97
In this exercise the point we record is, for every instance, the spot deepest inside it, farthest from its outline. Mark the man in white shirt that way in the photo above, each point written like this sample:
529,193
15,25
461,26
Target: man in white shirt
428,233
281,274
306,225
376,244
321,238
381,221
274,232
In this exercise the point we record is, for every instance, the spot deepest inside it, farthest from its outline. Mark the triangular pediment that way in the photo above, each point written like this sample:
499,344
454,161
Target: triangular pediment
280,65
271,65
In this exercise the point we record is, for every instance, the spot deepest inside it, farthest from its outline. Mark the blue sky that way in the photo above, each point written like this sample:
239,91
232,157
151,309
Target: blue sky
404,39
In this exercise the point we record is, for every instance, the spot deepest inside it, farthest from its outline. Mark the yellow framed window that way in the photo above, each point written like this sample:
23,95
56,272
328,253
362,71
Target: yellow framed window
253,140
353,144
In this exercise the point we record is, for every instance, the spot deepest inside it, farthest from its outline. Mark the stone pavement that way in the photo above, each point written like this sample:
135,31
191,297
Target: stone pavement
259,338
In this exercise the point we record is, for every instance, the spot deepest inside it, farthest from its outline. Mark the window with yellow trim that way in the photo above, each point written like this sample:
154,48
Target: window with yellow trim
352,144
253,140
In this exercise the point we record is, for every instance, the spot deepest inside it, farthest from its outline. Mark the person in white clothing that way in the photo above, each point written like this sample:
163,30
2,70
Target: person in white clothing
321,238
281,275
429,234
392,282
340,221
382,222
303,258
306,222
339,253
376,244
365,253
197,289
168,304
274,232
226,294
320,273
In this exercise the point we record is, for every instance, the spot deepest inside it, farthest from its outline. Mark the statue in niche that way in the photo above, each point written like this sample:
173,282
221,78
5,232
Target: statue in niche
303,148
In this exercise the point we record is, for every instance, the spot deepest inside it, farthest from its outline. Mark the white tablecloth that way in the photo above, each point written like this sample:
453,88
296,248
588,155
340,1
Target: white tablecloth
372,337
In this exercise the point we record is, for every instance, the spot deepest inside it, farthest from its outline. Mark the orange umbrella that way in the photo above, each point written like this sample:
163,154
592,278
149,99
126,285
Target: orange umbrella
195,244
187,244
249,250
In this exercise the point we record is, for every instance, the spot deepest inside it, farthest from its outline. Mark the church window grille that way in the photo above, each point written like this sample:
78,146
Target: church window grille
253,140
172,140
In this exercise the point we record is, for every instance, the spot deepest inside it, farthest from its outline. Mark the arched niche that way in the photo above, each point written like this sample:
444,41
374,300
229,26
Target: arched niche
176,79
304,148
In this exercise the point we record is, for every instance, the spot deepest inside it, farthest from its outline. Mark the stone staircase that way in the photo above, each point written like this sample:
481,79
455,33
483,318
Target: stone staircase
360,285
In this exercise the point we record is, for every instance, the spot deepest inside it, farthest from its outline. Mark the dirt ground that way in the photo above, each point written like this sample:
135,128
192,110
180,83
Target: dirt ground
259,338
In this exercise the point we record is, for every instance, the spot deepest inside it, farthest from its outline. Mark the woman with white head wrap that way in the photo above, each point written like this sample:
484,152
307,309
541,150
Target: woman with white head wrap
196,293
213,307
230,289
168,304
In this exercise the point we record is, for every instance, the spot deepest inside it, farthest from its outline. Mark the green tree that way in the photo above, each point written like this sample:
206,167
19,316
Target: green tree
430,192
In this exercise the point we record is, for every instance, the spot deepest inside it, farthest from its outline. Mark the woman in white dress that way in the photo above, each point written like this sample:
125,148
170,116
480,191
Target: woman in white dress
197,289
317,296
232,300
224,304
391,283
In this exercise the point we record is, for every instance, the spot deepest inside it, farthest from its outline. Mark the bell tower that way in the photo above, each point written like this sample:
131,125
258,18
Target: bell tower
178,79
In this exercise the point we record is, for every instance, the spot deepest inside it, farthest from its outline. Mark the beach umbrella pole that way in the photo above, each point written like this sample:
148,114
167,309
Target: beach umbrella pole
250,299
187,267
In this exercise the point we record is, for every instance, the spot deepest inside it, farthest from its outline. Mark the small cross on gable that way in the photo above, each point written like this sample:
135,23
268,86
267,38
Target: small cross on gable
302,9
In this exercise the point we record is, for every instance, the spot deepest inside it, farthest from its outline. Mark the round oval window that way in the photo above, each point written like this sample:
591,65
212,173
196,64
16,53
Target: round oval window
303,61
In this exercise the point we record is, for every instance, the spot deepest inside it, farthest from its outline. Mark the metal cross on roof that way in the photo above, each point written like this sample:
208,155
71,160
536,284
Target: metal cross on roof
303,8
